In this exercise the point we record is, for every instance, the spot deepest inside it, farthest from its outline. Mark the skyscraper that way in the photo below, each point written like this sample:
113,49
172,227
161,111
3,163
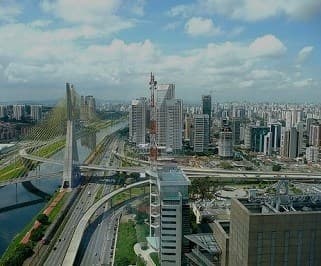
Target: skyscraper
169,118
268,144
36,112
137,121
275,129
164,92
225,145
290,142
207,109
200,133
174,125
236,128
172,221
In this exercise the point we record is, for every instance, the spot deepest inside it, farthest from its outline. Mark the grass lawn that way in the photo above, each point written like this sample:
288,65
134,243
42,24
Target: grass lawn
126,240
155,258
142,231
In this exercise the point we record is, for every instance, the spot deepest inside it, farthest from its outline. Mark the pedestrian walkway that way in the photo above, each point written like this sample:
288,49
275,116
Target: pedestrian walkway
144,254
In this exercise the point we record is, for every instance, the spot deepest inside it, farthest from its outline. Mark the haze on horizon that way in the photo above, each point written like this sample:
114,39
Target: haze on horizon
242,50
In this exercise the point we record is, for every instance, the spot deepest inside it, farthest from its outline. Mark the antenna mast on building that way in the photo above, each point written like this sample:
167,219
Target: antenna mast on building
153,145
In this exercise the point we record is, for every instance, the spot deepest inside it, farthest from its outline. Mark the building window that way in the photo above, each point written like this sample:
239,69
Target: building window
312,249
286,248
273,242
259,248
299,250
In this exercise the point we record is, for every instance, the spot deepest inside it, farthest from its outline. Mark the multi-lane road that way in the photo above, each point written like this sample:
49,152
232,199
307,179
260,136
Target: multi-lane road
97,247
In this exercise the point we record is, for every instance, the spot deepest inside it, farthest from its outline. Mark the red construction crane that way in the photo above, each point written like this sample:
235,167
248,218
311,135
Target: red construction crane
153,144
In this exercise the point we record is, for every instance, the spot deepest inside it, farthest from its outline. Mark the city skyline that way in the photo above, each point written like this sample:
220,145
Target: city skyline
246,51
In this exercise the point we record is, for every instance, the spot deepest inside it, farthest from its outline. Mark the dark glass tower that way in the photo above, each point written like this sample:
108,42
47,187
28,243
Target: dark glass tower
207,109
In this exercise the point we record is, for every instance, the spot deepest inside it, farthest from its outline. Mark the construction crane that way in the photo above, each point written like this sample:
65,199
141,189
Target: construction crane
153,144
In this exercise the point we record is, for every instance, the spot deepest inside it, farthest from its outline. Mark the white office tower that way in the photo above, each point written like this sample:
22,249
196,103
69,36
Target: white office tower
169,118
201,133
137,121
315,135
225,143
164,92
36,112
268,144
174,125
18,111
170,215
290,142
3,111
312,154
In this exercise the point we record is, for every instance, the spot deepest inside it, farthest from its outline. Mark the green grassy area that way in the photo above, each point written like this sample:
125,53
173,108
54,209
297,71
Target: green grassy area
18,168
57,209
126,240
155,258
99,194
49,150
125,195
142,231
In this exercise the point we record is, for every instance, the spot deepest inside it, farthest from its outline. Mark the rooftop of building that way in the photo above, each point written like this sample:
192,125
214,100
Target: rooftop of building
172,174
283,204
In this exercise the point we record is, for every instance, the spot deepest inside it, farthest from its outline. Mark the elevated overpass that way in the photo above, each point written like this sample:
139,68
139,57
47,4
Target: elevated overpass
81,227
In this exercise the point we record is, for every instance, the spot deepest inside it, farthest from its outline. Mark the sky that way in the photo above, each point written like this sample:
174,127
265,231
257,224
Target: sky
237,50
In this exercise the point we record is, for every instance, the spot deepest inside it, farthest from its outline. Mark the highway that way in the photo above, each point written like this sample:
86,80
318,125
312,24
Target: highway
97,244
82,225
85,200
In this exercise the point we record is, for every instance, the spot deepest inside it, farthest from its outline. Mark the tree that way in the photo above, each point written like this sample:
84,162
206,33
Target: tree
43,218
201,187
276,167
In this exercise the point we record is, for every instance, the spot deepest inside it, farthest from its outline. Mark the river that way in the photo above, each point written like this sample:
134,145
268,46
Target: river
12,222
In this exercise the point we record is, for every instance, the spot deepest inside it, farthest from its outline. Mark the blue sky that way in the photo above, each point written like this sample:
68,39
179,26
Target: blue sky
250,50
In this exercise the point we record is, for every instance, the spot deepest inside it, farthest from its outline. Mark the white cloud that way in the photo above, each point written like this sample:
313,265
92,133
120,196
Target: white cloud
47,58
9,11
172,25
85,11
198,26
251,10
267,45
40,23
304,53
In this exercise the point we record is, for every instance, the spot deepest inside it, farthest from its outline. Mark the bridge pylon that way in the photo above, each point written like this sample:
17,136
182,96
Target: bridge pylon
71,173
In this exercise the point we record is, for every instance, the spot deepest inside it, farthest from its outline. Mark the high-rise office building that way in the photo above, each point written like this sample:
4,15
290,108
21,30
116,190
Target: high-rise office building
268,144
3,111
87,107
290,142
225,144
275,129
200,133
36,112
164,92
18,111
315,135
254,138
169,118
312,154
236,128
207,109
137,121
174,125
170,215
